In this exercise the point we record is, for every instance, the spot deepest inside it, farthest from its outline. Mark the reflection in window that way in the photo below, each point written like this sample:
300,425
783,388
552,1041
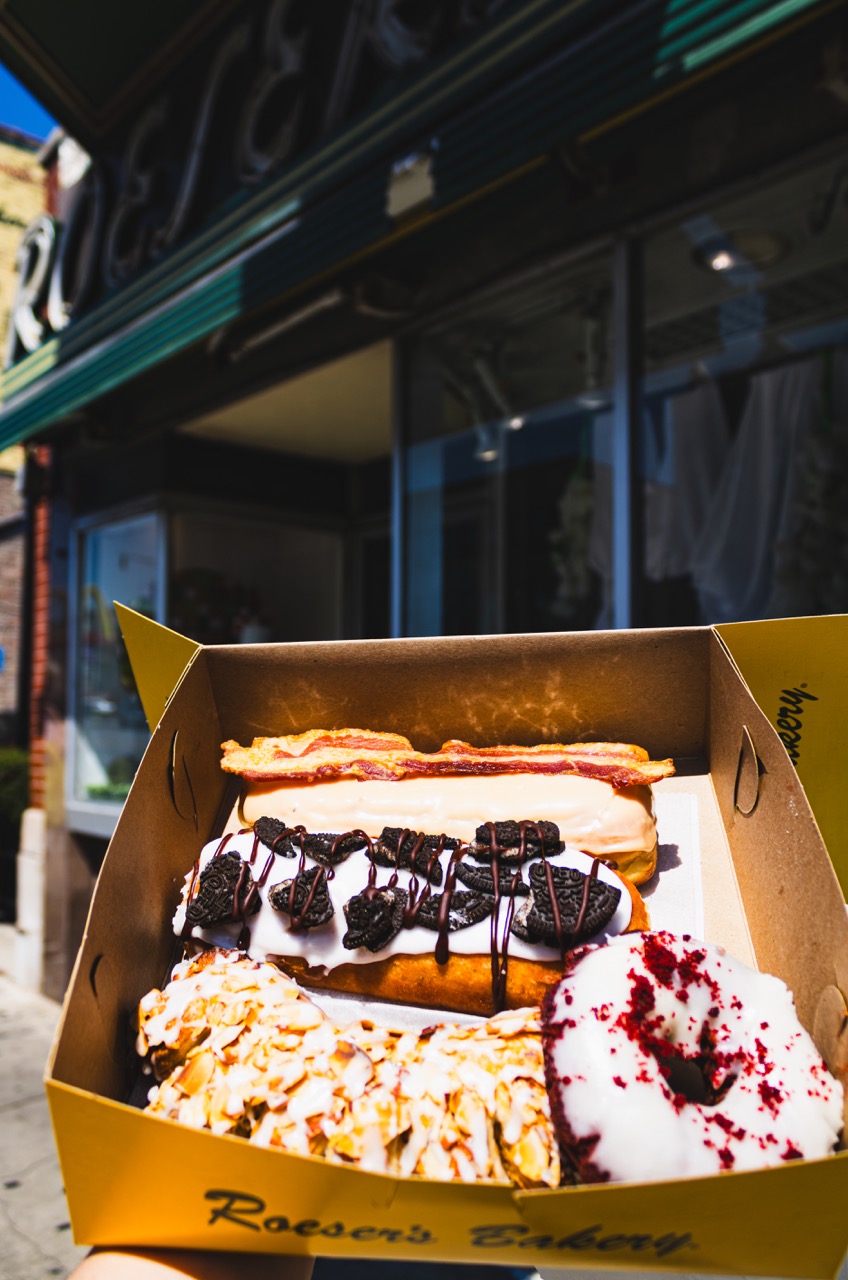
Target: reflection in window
119,561
235,580
745,456
504,397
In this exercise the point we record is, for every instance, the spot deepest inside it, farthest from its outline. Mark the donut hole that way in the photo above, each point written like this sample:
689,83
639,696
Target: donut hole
690,1079
686,1079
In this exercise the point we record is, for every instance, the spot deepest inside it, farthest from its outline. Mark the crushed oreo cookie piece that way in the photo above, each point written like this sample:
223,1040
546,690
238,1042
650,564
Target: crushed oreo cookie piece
506,840
323,846
223,892
320,909
269,831
393,849
466,908
373,918
534,920
480,879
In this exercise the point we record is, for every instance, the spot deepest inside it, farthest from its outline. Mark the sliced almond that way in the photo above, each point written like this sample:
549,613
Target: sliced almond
196,1073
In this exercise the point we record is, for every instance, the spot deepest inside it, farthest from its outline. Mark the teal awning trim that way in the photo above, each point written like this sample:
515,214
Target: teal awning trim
331,205
645,51
288,256
755,26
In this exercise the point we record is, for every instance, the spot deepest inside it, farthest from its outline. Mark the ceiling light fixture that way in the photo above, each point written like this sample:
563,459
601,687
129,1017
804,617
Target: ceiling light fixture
486,448
722,260
742,250
594,398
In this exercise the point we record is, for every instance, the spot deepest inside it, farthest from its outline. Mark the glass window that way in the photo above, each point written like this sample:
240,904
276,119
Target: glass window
745,448
120,561
228,578
507,400
237,580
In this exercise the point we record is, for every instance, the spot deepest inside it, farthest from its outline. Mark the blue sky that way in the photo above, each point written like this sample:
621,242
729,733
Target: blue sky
20,110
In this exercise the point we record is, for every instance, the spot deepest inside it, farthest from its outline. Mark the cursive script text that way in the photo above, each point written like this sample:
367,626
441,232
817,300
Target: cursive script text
789,721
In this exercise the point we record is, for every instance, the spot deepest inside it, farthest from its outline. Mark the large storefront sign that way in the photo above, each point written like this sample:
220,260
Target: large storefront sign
279,79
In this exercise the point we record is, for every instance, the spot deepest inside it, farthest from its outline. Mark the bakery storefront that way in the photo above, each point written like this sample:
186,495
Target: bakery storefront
416,320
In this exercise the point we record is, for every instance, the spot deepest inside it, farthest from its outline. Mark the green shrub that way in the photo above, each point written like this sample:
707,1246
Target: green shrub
14,797
14,793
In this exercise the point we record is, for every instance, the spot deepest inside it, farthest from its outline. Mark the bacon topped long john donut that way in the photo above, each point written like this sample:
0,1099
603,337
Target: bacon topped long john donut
599,794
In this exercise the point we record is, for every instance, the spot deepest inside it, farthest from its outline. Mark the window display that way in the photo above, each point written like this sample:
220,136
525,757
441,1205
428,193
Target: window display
212,573
120,561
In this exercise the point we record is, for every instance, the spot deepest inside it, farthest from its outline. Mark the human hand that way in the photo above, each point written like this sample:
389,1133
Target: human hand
189,1264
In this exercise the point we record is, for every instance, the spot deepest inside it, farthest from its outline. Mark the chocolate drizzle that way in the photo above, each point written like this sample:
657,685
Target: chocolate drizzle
511,843
305,898
519,842
270,831
225,892
442,952
406,850
252,902
466,908
563,905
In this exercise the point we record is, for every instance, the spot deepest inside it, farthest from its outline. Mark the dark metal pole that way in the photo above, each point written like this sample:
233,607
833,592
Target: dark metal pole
398,521
627,487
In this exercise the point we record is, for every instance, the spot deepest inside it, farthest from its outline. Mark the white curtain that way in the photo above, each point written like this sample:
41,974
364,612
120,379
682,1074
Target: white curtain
753,505
683,457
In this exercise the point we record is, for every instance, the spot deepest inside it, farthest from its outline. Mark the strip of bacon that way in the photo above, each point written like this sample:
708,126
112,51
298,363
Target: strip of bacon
322,755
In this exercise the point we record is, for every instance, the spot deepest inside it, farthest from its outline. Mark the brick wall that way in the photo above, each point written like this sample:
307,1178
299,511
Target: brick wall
40,638
11,587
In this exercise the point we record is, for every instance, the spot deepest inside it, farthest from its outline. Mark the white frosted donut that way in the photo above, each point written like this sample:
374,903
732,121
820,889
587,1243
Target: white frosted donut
667,1058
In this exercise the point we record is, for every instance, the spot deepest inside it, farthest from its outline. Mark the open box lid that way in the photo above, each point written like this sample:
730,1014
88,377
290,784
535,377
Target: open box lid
158,657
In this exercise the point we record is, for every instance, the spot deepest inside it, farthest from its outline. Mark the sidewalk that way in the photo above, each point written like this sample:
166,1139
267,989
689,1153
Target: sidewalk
34,1227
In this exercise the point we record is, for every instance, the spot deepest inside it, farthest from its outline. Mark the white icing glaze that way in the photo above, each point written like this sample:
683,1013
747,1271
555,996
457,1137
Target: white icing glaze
590,813
606,1085
270,934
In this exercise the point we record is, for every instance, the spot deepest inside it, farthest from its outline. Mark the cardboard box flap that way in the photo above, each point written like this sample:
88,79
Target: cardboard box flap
158,657
172,806
483,689
776,849
795,669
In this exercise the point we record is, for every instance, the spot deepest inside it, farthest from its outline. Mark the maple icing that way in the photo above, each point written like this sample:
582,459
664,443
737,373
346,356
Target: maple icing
591,814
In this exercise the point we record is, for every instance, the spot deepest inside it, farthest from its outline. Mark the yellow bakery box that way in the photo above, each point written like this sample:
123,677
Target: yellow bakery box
769,890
